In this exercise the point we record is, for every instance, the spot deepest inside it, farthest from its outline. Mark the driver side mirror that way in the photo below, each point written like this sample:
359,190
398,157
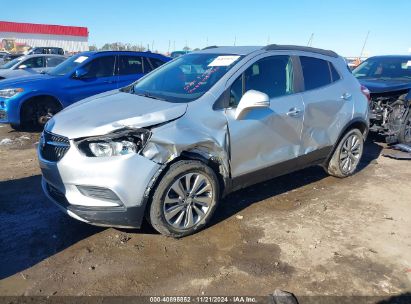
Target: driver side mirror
252,99
22,67
79,73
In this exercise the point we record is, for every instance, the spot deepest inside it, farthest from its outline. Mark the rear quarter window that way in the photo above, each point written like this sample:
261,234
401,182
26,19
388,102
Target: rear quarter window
318,72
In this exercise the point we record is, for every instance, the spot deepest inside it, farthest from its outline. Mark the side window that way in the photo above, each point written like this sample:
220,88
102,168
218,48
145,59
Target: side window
146,65
316,72
334,74
156,62
33,63
236,91
271,75
129,65
100,67
53,61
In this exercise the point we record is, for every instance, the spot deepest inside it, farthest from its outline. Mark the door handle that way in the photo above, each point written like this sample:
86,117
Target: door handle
346,96
294,112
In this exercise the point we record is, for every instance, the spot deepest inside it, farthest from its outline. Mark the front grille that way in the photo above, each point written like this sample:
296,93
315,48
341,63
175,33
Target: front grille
53,147
57,195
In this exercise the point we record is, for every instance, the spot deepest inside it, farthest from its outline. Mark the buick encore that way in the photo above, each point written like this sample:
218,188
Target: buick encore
169,146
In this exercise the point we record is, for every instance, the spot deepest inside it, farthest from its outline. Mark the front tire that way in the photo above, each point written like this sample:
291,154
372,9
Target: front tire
185,199
347,155
404,137
36,112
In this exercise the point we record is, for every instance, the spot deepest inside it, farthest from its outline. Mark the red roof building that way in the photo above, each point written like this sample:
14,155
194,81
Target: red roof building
70,38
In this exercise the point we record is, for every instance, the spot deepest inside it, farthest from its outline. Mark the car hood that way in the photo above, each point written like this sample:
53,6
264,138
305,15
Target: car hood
382,86
17,73
110,111
20,81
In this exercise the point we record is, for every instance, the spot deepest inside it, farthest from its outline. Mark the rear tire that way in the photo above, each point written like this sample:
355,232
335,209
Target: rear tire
347,155
16,127
185,199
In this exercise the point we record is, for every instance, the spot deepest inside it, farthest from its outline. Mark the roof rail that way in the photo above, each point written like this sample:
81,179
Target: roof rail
279,47
210,47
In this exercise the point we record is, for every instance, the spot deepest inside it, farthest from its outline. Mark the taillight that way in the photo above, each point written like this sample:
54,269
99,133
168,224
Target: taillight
366,92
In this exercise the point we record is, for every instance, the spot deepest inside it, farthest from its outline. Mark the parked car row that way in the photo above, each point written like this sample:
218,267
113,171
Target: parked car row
28,65
166,142
31,100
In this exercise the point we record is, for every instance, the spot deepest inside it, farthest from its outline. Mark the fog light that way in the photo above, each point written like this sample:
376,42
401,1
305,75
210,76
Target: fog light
99,193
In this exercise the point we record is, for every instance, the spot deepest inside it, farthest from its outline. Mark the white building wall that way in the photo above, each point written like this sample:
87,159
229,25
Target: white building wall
67,43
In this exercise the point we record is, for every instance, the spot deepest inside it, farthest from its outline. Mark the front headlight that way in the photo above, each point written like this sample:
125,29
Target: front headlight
118,143
8,93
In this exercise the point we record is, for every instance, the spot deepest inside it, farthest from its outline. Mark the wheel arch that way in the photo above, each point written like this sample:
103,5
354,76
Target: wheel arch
31,98
356,123
213,163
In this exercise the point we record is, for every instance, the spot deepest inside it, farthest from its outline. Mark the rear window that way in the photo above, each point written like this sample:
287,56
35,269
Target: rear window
317,72
130,65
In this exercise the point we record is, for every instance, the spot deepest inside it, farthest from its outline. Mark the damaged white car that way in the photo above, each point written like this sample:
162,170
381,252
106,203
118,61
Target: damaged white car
171,145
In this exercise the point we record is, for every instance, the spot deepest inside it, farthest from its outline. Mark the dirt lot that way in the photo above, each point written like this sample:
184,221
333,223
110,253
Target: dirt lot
307,233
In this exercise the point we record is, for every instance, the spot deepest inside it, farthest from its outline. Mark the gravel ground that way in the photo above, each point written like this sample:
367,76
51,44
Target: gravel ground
306,233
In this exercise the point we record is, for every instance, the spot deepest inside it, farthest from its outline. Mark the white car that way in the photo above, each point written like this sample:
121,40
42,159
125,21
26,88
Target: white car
29,65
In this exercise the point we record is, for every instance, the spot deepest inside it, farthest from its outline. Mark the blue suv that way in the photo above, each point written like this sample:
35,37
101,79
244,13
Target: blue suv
31,101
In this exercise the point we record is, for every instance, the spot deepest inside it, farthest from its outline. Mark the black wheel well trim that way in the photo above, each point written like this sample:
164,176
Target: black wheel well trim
29,99
356,123
211,162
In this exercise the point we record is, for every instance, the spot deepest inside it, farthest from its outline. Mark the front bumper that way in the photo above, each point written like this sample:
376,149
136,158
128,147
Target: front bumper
127,177
9,110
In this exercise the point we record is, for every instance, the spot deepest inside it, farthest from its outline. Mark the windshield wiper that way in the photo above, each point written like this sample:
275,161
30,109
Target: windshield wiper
148,95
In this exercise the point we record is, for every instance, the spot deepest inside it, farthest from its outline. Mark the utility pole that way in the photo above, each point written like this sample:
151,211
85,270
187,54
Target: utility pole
169,44
235,40
365,42
310,41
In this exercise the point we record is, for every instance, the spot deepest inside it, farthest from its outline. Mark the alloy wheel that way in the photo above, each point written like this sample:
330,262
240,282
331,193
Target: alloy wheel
351,152
188,200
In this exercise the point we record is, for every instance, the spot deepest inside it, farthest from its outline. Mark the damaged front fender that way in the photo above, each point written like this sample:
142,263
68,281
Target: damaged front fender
196,134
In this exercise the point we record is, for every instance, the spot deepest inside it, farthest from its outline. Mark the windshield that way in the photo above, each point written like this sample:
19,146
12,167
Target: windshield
185,78
67,66
384,68
10,64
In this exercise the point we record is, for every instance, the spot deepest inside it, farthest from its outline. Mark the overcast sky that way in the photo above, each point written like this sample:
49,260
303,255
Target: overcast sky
338,25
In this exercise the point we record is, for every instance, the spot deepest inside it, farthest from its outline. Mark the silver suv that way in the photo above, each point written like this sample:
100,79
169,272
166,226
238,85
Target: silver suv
171,145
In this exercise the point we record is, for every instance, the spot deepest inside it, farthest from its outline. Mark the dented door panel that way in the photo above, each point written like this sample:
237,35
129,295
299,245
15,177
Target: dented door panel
265,137
326,114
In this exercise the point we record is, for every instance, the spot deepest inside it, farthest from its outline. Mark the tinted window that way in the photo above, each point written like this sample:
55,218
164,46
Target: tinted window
334,74
156,62
53,61
100,67
129,65
32,63
272,75
146,65
316,72
236,91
